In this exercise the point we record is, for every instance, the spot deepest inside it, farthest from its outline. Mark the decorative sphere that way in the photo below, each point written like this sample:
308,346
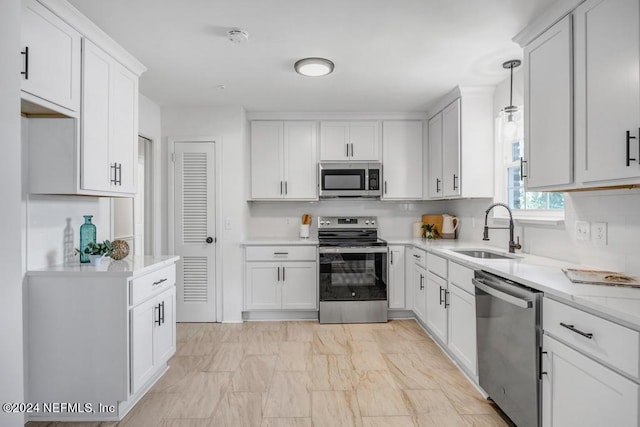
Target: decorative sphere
120,249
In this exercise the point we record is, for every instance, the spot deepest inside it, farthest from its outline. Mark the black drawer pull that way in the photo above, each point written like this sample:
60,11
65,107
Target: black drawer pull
25,73
159,281
577,331
281,253
629,158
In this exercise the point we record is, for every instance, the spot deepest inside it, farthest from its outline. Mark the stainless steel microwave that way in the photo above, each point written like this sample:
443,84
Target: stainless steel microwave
350,180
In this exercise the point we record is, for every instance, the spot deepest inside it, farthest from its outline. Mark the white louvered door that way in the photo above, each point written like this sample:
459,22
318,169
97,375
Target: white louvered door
194,237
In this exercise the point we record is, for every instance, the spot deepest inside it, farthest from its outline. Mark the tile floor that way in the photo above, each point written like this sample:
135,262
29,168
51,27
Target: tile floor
276,374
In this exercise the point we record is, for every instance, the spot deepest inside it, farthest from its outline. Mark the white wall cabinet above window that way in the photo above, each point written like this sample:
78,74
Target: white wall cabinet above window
350,141
402,157
284,160
460,154
51,61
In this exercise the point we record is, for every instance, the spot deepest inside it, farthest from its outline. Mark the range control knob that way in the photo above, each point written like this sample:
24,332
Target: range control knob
373,222
353,294
367,222
321,222
328,222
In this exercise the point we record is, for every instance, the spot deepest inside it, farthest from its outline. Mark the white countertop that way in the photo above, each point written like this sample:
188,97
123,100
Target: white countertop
617,303
277,241
130,266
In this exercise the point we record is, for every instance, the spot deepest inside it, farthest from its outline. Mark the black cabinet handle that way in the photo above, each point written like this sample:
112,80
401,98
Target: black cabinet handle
437,185
629,138
278,274
441,299
522,162
113,173
446,300
162,312
455,187
120,174
25,73
159,281
280,187
352,150
385,187
421,282
283,279
577,331
156,314
286,187
391,257
347,146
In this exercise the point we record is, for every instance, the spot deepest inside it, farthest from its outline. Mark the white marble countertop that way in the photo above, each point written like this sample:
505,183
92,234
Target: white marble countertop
277,241
130,266
617,303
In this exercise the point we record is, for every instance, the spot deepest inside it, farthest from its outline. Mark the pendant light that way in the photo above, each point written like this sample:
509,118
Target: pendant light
510,110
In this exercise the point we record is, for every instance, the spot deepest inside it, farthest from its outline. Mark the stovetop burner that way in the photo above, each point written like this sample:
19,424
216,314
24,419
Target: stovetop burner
349,231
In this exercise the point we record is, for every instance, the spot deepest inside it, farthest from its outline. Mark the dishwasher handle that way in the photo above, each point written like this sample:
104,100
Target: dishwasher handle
520,302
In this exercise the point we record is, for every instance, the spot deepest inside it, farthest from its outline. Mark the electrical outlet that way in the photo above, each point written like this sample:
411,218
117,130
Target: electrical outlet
599,233
583,231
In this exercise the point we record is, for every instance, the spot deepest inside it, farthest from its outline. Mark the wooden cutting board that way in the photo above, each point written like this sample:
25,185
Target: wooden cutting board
601,277
436,220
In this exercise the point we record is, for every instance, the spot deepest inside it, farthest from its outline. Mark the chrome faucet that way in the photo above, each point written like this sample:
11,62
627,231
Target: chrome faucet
485,235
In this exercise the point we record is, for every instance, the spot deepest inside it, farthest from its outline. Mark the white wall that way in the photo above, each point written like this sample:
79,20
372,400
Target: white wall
11,215
228,127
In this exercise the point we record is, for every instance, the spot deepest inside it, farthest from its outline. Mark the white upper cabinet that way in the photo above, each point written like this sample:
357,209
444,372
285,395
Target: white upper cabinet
350,141
109,124
548,108
51,60
461,145
607,92
284,160
402,159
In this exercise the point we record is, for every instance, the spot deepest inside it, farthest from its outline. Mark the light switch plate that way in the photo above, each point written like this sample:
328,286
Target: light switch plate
599,233
583,231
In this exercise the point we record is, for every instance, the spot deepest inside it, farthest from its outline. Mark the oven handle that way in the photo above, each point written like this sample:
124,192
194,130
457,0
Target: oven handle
360,250
522,303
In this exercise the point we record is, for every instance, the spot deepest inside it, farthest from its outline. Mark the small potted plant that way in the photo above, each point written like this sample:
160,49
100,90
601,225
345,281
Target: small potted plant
429,231
97,251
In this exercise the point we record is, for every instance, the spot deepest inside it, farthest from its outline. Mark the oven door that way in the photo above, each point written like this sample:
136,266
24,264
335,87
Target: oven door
353,274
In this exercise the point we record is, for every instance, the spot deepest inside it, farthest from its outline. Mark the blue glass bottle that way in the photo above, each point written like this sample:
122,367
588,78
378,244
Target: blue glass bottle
87,234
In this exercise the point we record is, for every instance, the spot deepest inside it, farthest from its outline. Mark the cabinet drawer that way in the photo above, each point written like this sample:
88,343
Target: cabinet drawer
143,287
437,265
280,253
612,343
419,257
461,277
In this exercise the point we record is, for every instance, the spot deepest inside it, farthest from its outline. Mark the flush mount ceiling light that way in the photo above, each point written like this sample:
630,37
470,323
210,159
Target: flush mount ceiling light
237,35
314,67
511,109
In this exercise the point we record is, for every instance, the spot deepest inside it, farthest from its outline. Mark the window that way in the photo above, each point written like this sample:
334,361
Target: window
510,143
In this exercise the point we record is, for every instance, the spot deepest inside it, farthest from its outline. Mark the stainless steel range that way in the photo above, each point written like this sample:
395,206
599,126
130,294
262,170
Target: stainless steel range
353,270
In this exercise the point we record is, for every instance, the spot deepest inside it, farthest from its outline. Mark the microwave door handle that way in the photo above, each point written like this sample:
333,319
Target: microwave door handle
522,303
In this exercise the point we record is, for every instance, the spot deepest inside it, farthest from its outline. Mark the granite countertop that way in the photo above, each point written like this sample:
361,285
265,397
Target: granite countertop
616,303
130,266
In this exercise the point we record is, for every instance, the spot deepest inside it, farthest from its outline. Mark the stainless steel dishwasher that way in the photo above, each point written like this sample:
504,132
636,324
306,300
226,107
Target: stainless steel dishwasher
509,337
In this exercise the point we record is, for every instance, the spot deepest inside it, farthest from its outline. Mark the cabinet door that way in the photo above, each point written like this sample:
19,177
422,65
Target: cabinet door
548,98
334,137
299,285
267,181
607,92
578,391
436,306
435,157
164,339
142,328
263,287
402,157
96,173
396,277
461,327
418,281
451,149
300,161
364,139
123,128
53,57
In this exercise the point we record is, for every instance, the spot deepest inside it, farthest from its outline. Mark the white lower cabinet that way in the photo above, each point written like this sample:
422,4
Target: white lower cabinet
418,283
98,336
396,277
281,278
578,391
437,306
461,338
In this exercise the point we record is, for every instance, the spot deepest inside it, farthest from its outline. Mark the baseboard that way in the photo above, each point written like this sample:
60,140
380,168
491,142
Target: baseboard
280,315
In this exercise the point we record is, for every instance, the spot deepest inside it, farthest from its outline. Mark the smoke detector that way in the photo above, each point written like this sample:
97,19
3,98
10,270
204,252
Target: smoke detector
237,35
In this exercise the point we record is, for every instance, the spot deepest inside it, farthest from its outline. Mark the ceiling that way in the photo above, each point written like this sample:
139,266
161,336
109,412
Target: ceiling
390,56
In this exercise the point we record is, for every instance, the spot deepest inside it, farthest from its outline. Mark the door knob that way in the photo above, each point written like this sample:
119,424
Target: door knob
209,239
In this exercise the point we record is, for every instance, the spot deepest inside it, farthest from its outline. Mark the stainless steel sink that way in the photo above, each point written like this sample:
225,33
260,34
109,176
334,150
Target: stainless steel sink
479,253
